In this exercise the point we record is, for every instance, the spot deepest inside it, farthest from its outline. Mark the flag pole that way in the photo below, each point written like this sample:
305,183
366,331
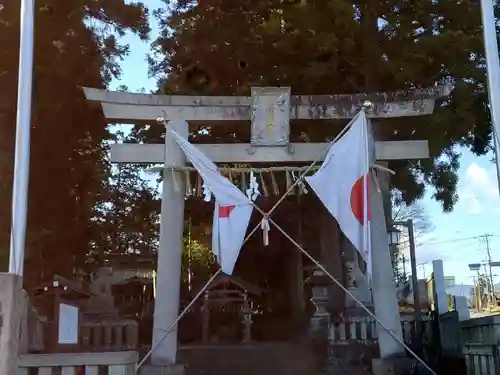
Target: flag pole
22,148
493,74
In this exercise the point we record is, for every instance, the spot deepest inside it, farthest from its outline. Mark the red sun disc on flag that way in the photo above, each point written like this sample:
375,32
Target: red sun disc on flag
357,200
225,211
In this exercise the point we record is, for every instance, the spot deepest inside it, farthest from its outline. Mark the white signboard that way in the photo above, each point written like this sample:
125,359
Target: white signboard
68,324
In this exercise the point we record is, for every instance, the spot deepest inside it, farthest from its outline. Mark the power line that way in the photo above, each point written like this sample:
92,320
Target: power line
453,240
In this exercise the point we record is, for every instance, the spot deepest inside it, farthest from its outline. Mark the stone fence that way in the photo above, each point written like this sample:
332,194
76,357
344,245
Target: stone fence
479,340
122,363
93,336
31,329
362,330
11,303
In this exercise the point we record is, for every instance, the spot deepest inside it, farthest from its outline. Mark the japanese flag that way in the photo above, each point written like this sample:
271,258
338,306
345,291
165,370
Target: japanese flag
342,183
232,208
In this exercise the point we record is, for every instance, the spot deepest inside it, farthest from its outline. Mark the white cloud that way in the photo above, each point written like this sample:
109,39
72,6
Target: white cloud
482,180
478,190
469,199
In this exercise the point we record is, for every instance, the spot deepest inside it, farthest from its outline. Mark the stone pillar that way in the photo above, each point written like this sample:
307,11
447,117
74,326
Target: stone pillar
25,315
11,298
383,286
169,252
440,299
462,307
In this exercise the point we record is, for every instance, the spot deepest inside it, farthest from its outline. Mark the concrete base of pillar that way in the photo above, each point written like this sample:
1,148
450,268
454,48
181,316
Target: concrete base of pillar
11,297
148,369
392,366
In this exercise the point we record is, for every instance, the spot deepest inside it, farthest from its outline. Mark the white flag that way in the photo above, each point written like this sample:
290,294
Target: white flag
342,183
232,208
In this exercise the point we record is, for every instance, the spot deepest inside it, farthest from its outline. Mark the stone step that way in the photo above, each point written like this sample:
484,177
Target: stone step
275,358
249,359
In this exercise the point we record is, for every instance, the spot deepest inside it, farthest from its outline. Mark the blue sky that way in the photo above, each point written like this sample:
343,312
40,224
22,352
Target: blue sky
455,237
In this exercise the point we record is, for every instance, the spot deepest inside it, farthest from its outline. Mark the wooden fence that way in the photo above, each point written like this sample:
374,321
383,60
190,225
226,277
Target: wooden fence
481,339
481,359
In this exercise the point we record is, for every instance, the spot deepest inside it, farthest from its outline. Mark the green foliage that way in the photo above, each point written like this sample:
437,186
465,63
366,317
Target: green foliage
198,263
337,46
76,45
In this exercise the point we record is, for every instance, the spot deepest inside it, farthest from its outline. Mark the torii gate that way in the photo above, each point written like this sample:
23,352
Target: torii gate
269,109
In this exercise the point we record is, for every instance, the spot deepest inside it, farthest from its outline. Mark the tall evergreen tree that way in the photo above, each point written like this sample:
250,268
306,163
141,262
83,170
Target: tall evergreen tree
125,225
76,44
340,46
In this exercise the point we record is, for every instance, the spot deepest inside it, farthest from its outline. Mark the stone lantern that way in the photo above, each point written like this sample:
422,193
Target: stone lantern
247,312
320,283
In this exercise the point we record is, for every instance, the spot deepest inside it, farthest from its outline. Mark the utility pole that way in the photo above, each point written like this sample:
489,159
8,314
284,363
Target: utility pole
416,291
476,293
477,285
414,279
490,278
479,293
404,259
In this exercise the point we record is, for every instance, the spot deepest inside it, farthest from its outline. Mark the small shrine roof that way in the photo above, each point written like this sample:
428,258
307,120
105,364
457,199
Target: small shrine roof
122,276
59,281
133,280
237,282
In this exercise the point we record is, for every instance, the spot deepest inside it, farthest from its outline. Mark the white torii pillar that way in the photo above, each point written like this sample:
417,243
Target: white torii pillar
126,107
168,279
383,286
